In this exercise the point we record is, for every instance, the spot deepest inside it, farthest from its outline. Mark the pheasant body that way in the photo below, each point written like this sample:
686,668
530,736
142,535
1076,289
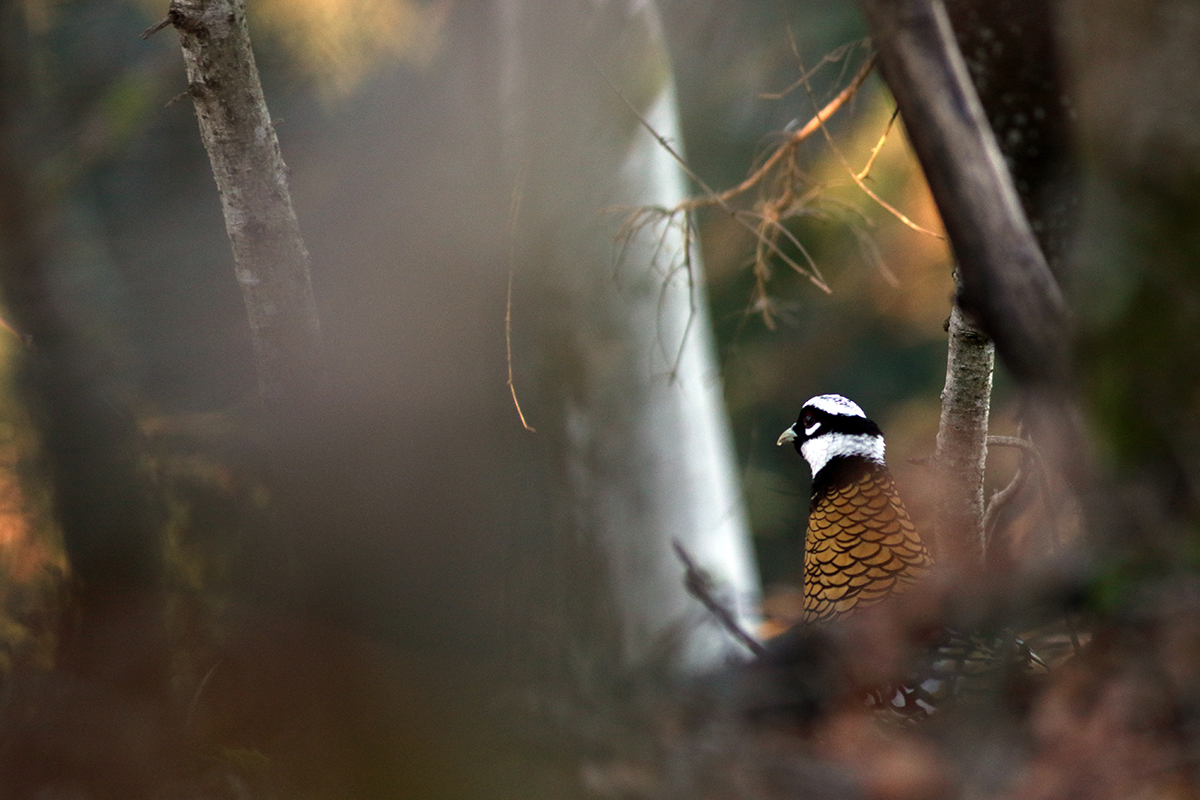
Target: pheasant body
861,546
959,669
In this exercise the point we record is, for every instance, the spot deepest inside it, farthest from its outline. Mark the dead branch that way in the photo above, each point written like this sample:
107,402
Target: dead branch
832,57
765,222
788,148
857,177
514,213
878,145
1015,441
1001,500
724,206
768,227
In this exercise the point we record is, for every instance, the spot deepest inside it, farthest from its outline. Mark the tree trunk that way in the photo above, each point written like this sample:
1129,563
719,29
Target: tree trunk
961,454
1006,284
270,259
612,344
1005,281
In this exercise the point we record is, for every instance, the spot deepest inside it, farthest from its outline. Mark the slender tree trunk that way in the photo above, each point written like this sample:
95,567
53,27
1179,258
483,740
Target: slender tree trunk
962,445
1005,281
272,266
270,258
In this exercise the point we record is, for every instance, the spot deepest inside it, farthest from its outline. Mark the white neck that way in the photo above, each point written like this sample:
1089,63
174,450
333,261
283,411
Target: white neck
820,449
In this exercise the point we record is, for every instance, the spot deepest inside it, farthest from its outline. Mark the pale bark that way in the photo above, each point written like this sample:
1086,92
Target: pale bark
962,445
270,259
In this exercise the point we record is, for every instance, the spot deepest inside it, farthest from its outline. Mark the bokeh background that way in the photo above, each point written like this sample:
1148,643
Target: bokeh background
372,651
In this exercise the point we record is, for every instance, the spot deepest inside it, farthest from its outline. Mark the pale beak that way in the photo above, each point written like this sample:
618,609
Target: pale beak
787,436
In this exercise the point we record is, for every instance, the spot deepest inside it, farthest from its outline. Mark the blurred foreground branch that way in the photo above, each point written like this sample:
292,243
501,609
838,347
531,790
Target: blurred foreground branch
111,667
1006,283
1005,280
700,586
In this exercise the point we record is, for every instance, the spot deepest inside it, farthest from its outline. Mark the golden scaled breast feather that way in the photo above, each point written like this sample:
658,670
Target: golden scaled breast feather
861,547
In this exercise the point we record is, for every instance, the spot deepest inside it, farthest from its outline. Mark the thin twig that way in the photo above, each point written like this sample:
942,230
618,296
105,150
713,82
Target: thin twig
158,26
686,233
662,141
879,145
846,163
832,57
187,725
1015,441
791,237
795,139
514,211
768,228
638,219
699,586
24,338
897,213
1001,500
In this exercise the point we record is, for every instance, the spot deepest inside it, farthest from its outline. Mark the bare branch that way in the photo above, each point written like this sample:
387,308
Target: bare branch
1001,500
158,26
1014,441
679,159
786,149
879,145
699,585
514,212
832,57
859,179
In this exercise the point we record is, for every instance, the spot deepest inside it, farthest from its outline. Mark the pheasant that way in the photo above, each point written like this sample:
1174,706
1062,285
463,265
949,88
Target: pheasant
862,548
